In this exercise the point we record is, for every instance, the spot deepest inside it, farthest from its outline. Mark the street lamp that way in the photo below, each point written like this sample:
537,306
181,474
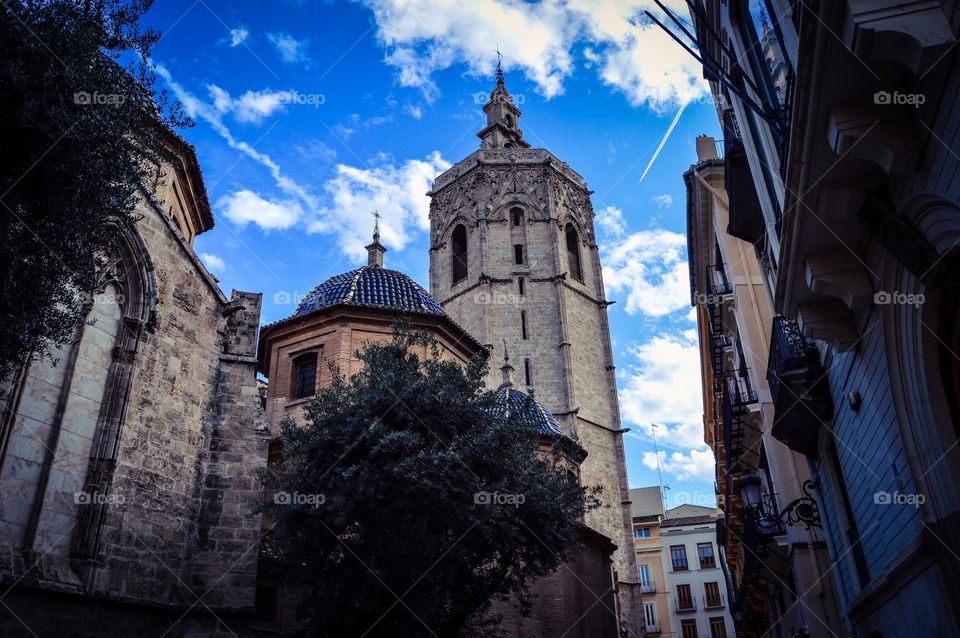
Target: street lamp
802,510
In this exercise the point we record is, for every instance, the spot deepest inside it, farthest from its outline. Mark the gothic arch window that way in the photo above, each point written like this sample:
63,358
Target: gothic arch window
520,285
516,216
573,253
459,254
509,120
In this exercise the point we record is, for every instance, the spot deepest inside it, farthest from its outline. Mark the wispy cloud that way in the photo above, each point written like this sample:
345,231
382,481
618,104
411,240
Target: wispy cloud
290,49
238,36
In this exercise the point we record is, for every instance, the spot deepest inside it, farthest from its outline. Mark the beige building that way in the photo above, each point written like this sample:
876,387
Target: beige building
646,508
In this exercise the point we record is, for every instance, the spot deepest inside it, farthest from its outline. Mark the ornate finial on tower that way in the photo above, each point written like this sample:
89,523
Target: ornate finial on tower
506,368
499,69
376,249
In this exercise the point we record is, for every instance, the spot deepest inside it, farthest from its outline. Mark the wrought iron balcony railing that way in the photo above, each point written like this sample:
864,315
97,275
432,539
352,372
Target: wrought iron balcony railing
738,394
649,587
798,386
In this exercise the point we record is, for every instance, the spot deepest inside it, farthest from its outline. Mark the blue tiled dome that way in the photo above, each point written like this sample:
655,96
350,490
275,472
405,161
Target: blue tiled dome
371,286
513,401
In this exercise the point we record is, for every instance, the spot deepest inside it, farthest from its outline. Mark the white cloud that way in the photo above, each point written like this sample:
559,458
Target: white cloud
210,114
662,201
663,387
610,219
245,206
213,262
291,50
398,192
416,112
629,52
651,267
238,36
251,107
694,465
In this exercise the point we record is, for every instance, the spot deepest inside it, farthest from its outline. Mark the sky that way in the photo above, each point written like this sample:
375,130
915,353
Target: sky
310,115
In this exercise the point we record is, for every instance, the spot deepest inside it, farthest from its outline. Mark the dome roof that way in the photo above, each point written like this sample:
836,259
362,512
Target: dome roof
513,401
371,286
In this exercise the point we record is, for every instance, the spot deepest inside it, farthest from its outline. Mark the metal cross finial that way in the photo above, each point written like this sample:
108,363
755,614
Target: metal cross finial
376,223
499,69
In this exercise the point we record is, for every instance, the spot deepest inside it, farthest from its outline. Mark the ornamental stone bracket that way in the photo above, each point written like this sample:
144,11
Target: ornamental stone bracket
911,33
839,273
829,320
883,134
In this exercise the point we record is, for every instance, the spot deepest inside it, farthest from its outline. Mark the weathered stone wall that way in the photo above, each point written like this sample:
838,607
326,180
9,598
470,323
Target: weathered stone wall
179,527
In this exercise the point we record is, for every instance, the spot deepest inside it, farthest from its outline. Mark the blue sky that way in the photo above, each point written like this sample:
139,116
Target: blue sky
312,114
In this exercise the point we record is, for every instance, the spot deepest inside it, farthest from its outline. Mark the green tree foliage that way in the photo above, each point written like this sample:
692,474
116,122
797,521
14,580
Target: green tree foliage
80,133
382,496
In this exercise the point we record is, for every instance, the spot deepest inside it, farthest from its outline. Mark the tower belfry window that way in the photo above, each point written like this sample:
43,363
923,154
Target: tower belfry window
518,254
516,215
459,245
573,253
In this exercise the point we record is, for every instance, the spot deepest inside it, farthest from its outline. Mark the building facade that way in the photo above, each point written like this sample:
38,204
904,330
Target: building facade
513,257
127,469
695,584
840,179
646,508
780,582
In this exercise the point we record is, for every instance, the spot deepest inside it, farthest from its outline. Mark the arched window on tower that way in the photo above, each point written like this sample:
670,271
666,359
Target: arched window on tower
516,214
520,283
573,253
459,241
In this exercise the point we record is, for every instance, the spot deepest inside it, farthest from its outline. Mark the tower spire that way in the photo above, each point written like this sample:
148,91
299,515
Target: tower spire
499,67
375,250
502,129
506,368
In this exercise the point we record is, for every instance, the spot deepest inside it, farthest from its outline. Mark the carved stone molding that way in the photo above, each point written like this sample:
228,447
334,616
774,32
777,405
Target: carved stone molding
883,134
911,33
830,321
840,274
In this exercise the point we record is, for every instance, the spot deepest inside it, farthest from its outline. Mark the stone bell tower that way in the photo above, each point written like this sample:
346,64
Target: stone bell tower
513,257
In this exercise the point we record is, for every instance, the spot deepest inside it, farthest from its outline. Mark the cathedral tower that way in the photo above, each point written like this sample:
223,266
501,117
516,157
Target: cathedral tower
513,256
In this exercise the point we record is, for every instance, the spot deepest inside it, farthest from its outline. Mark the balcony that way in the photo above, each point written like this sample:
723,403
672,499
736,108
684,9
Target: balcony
685,605
652,628
714,602
738,395
746,218
648,587
798,387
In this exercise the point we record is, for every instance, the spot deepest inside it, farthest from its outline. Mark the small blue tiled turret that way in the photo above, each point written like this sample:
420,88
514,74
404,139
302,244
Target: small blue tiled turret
513,401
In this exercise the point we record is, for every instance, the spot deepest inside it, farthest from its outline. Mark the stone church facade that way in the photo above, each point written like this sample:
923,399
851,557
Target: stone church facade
513,256
127,469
